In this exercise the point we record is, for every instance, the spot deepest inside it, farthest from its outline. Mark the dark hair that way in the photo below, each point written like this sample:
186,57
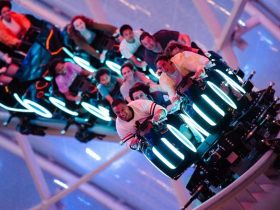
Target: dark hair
101,72
53,63
172,45
5,3
127,64
85,19
139,86
144,35
162,57
116,102
125,27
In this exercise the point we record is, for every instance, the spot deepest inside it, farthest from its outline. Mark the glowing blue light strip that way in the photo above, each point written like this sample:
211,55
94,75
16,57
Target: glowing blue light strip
68,52
181,137
204,116
84,64
213,104
162,158
188,120
95,111
231,82
174,149
61,105
153,73
14,109
221,94
28,104
114,67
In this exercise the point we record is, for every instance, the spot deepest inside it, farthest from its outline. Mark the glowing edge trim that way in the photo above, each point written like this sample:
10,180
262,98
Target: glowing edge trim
14,109
153,73
163,159
188,120
174,149
95,111
28,105
212,103
231,82
61,105
221,94
204,116
114,67
181,137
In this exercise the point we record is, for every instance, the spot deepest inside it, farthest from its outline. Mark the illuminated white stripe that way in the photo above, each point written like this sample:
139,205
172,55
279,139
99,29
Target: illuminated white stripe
231,82
84,64
14,109
181,137
174,149
28,104
68,52
95,111
114,67
204,116
212,103
221,94
91,153
188,120
162,158
60,183
61,105
153,73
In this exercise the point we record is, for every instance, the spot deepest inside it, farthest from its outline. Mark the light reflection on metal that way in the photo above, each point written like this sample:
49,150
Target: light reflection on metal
61,105
221,94
60,183
189,121
231,82
34,107
181,137
171,147
203,115
162,158
213,104
96,111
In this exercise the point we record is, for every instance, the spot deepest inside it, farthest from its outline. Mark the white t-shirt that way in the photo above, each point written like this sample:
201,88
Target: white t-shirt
128,49
142,110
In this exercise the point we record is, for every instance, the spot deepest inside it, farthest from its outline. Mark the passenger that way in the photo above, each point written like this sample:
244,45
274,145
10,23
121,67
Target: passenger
129,115
172,76
155,44
85,33
131,77
130,46
142,91
65,74
8,69
109,85
13,26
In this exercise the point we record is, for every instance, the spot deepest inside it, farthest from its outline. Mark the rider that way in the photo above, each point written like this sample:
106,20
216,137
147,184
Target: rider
128,115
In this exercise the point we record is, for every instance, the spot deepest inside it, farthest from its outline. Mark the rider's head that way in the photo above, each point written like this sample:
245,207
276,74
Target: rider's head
139,91
164,64
122,110
103,76
5,8
127,33
127,71
148,41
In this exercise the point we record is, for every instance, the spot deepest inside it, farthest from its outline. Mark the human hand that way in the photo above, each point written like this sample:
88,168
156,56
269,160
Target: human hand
3,70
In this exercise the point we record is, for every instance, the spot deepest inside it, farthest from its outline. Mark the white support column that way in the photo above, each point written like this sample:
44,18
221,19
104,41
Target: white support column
228,29
209,17
67,177
180,191
270,25
83,179
95,7
34,168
